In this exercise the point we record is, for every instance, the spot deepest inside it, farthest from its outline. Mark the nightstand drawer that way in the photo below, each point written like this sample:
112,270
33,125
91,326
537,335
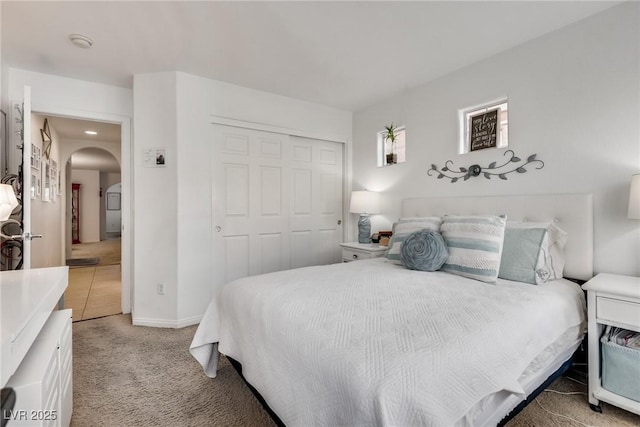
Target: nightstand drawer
618,311
354,251
354,254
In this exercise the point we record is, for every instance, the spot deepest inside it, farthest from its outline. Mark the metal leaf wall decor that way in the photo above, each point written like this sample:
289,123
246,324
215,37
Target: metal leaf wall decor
512,164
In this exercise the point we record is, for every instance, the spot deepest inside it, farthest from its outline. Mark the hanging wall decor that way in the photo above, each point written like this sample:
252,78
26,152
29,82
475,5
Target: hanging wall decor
512,164
46,139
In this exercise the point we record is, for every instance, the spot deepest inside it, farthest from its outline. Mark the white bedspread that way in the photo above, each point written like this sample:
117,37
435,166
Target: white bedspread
370,343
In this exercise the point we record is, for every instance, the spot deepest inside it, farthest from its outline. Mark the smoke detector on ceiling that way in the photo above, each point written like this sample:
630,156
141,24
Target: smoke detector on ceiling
81,41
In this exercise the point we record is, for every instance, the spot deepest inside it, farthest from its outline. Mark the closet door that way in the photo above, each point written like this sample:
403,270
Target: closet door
250,202
316,202
276,202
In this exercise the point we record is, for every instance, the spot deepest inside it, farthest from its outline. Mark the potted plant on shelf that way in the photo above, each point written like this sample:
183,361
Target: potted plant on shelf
390,137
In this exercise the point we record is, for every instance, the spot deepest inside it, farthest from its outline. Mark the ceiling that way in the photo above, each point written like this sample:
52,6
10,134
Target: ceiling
347,55
74,129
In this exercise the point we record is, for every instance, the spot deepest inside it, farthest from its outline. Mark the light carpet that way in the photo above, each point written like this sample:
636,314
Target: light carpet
126,375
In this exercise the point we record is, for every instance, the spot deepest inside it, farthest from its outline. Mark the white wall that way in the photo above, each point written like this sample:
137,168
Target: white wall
155,203
173,110
89,203
573,100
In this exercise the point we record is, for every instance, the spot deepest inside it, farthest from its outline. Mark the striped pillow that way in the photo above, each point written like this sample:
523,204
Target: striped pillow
403,228
475,245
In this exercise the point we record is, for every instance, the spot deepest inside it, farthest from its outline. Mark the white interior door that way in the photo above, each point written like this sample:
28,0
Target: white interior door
277,202
26,178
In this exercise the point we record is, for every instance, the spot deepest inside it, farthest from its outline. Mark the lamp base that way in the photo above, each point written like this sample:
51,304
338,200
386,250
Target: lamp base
364,229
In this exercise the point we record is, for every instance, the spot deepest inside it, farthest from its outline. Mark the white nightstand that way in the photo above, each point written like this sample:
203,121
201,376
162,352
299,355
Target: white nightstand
611,300
353,251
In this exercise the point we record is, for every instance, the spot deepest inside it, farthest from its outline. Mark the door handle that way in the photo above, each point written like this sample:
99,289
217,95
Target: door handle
26,236
218,229
339,222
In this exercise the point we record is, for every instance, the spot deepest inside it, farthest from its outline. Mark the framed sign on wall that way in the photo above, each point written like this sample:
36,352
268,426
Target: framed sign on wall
483,126
484,130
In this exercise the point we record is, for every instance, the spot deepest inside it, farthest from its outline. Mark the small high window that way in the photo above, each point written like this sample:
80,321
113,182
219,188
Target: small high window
392,152
484,126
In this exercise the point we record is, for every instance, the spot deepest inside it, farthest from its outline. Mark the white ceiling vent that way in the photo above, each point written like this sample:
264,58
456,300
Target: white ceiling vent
81,41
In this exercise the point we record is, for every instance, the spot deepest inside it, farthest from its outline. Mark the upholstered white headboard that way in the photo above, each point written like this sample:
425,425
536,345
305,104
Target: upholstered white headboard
571,212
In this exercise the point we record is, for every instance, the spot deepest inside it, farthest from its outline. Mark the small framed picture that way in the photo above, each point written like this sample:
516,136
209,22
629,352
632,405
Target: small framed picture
33,186
53,179
155,157
35,157
46,181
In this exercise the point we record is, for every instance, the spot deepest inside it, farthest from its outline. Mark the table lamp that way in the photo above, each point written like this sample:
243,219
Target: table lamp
8,201
364,203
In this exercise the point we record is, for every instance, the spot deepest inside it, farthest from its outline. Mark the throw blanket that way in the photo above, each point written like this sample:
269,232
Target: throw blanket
369,343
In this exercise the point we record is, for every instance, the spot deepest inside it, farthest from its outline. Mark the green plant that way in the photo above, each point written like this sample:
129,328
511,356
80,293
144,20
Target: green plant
390,134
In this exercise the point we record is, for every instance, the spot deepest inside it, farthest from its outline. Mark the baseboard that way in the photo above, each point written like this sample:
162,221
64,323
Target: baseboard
194,320
164,323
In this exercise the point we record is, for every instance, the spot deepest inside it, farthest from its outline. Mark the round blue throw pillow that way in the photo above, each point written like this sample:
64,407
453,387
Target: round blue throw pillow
424,250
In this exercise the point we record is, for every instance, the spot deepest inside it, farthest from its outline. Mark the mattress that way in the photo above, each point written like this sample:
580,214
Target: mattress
371,343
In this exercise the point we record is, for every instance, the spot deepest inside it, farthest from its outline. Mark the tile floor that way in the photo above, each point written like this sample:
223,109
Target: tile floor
93,292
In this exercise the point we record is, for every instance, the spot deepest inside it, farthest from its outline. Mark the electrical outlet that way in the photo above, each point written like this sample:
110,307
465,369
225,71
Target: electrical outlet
160,288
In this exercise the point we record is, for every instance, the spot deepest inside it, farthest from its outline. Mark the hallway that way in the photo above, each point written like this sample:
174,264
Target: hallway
95,291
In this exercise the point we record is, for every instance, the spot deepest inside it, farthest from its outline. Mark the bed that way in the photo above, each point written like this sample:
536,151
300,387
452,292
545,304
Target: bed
373,343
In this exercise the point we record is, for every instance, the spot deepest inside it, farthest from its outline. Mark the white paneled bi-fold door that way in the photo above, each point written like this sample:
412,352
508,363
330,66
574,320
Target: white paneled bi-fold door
277,202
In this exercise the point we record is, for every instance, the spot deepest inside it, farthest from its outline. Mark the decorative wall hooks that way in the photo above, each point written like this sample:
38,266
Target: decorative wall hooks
501,171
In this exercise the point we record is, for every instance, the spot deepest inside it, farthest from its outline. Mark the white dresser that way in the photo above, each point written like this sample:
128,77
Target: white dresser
36,346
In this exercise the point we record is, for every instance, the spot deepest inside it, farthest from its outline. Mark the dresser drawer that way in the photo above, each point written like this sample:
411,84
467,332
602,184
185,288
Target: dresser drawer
619,311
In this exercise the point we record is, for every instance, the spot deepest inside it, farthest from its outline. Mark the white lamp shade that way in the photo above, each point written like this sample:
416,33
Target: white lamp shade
8,201
365,202
634,197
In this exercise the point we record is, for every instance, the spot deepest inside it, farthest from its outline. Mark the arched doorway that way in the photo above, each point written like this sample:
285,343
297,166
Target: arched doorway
93,248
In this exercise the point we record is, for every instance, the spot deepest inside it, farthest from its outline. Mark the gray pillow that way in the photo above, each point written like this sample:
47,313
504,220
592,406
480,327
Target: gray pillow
404,228
424,250
520,254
